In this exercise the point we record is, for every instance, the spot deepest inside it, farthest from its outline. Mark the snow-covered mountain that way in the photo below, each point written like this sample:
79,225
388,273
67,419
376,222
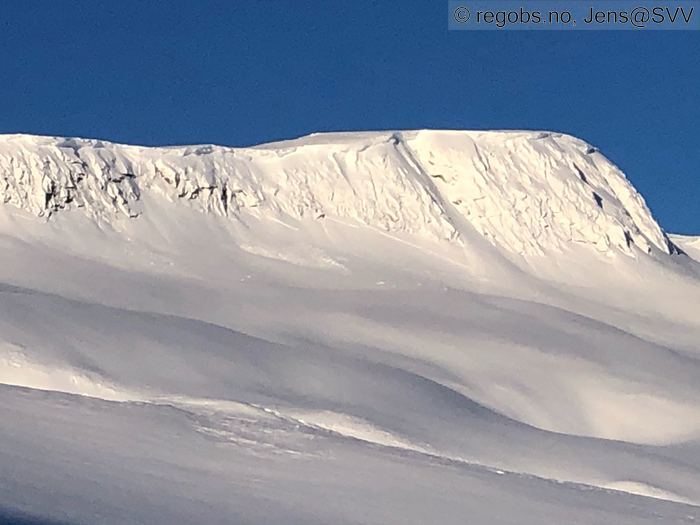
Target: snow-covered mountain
399,327
530,193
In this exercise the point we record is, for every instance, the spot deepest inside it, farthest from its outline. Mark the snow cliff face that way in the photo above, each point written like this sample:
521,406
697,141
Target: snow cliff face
528,193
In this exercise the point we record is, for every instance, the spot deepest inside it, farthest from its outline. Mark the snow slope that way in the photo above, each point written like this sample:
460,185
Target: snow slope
690,245
412,327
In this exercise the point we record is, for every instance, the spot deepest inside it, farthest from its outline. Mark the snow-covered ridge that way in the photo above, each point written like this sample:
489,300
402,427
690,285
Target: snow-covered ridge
526,192
689,244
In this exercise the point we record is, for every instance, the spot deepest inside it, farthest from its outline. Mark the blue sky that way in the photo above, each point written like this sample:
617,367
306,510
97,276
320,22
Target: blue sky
244,72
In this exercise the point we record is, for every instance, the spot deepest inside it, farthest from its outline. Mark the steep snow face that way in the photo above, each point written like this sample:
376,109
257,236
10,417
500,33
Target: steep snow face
538,192
525,192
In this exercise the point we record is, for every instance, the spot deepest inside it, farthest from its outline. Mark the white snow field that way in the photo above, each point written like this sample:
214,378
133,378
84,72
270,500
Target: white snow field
429,327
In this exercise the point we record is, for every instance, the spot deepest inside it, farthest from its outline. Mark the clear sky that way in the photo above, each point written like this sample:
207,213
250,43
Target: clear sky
240,72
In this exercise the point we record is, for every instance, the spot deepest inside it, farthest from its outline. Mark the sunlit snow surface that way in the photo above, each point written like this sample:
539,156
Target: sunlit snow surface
415,327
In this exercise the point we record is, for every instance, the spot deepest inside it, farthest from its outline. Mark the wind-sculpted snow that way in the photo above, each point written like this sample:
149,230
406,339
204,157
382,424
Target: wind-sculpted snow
526,192
115,354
